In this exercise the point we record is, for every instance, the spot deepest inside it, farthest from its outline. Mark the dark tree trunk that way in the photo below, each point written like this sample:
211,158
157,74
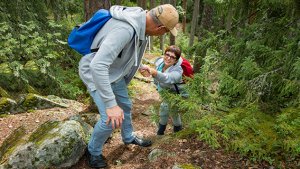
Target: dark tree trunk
184,15
91,6
162,38
118,2
152,5
172,38
194,22
206,25
144,4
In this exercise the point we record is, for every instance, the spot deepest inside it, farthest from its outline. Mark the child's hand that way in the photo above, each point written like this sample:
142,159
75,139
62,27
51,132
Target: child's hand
145,71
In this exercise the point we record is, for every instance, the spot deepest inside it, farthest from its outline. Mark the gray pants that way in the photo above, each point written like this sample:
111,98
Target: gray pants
164,115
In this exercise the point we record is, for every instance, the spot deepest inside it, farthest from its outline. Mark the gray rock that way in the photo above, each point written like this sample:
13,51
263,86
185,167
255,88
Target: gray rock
90,118
34,101
53,145
154,154
7,105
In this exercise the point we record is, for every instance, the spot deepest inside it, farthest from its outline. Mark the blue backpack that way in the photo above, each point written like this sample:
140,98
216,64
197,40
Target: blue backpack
81,37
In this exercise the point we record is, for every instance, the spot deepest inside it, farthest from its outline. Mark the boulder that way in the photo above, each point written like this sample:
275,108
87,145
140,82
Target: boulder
7,105
34,101
54,144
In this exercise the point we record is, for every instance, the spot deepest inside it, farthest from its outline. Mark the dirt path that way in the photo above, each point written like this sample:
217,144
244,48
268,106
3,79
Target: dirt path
119,155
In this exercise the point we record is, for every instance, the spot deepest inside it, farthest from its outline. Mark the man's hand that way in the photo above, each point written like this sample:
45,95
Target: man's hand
145,71
115,115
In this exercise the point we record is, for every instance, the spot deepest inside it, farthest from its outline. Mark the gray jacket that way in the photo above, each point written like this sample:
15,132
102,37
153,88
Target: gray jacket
172,75
123,34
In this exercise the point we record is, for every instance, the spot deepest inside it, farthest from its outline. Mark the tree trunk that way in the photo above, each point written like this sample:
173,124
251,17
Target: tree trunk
207,20
206,25
162,38
91,6
194,22
172,38
184,15
152,5
229,17
144,4
253,13
118,2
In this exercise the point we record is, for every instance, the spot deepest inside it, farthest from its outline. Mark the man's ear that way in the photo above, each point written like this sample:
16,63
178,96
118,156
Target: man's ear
161,27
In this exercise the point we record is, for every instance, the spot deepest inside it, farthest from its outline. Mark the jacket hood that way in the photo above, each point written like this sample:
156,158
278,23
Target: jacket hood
135,16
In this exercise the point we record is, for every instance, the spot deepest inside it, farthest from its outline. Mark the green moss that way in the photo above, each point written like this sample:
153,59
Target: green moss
11,142
189,166
30,101
43,132
3,115
30,89
5,104
67,150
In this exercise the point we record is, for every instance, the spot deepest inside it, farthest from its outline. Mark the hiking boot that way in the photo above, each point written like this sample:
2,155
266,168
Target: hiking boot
177,128
161,129
140,142
96,161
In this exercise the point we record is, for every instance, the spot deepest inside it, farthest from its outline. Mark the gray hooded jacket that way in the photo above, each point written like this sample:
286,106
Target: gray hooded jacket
171,76
123,34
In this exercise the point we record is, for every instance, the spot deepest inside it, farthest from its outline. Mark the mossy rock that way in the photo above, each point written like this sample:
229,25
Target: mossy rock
34,101
10,143
7,105
90,118
54,144
31,89
40,134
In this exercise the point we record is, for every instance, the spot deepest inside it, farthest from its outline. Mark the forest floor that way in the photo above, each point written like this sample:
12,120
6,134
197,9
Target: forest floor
189,152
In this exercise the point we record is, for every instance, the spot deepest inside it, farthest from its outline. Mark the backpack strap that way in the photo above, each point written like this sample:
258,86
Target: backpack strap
176,88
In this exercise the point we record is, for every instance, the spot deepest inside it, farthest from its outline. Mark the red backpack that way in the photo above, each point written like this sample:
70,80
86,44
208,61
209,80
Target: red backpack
188,71
187,68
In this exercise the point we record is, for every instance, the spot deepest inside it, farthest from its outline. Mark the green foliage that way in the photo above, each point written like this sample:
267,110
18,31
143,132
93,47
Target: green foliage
252,133
246,96
33,52
204,128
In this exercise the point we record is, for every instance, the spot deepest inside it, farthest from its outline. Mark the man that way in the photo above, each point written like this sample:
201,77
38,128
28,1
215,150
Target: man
106,73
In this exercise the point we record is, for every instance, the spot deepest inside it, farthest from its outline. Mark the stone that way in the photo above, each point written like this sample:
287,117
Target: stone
54,144
7,105
154,154
32,101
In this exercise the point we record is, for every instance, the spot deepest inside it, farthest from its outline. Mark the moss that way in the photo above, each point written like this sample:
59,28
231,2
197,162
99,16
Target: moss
30,89
6,104
189,166
30,101
67,151
43,132
11,142
3,115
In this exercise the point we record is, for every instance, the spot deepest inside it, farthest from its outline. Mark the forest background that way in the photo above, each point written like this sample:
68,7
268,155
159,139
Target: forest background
246,55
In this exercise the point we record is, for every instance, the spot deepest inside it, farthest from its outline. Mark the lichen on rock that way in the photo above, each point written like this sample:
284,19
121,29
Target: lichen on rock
55,144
